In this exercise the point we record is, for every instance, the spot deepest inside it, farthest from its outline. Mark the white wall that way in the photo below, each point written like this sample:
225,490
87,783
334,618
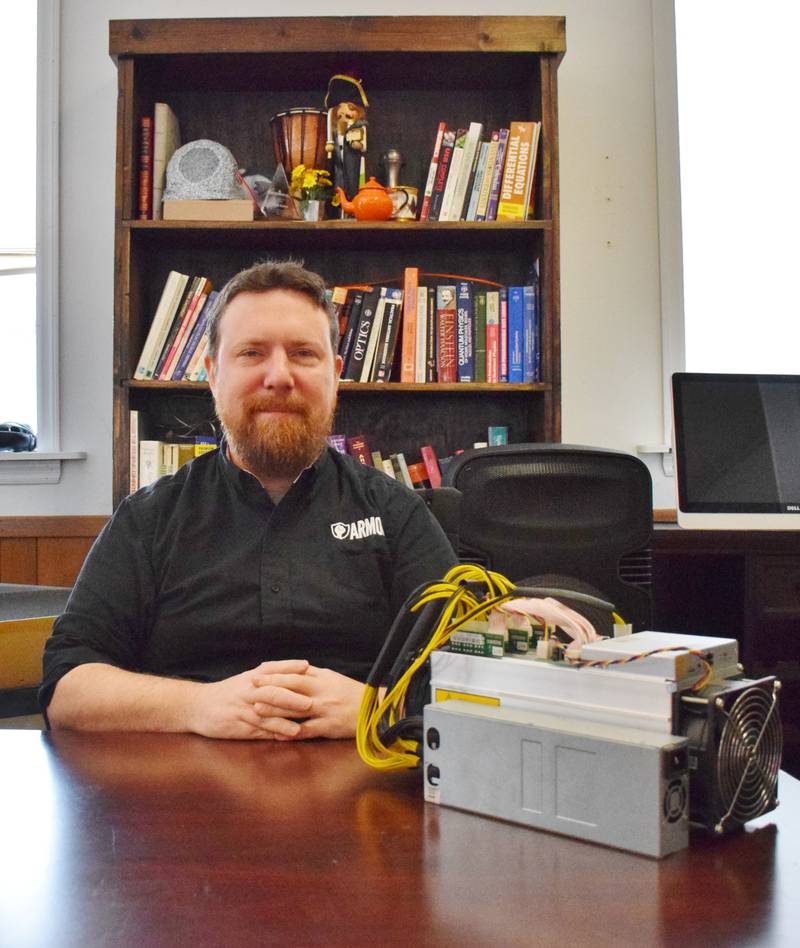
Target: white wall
609,219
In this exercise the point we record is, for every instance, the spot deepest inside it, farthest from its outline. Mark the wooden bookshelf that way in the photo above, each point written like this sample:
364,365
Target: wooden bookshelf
225,78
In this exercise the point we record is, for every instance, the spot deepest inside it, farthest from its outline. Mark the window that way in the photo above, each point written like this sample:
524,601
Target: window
18,358
29,238
740,196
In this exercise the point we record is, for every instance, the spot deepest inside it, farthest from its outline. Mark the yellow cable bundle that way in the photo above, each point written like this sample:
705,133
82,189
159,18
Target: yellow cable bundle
460,607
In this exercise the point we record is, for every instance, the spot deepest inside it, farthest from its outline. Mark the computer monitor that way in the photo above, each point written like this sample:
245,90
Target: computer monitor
737,450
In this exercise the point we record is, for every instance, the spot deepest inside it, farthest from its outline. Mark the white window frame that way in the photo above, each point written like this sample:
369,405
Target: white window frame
43,466
670,242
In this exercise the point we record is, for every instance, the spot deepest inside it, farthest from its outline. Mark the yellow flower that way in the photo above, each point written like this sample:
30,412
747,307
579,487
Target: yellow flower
311,184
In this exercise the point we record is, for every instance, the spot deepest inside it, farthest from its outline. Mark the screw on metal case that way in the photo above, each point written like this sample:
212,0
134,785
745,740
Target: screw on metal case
432,774
432,738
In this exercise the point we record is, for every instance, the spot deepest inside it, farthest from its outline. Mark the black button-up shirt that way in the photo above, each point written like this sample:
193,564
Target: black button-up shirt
201,576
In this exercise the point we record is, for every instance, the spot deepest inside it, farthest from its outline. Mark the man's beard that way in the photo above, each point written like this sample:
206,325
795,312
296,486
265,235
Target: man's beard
279,447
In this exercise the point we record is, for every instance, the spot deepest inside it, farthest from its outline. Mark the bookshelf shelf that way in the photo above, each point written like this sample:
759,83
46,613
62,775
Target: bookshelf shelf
224,79
416,227
370,388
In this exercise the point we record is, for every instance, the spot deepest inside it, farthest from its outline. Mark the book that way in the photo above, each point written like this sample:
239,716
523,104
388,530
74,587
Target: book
479,317
338,442
422,333
195,209
516,333
401,469
493,336
472,138
446,368
195,366
140,429
453,175
145,203
203,444
354,303
530,334
503,335
497,175
388,468
177,319
377,460
338,301
358,447
150,462
162,320
517,182
192,313
465,327
419,476
431,463
390,331
428,192
477,182
488,175
195,337
432,340
368,364
166,140
408,349
365,302
498,434
442,173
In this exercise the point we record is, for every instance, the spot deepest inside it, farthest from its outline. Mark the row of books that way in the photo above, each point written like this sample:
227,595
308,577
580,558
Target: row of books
176,341
427,472
151,458
472,178
464,331
159,137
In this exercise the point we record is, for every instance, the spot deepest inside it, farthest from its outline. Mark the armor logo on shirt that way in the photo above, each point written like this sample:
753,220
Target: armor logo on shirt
358,529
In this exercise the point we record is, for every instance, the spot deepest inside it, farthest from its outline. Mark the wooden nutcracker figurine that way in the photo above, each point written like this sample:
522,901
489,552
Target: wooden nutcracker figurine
347,105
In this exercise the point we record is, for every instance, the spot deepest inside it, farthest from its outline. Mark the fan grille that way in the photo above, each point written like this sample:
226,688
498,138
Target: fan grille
749,755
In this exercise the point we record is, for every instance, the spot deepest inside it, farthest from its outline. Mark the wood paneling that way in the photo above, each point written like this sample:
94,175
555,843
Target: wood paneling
45,551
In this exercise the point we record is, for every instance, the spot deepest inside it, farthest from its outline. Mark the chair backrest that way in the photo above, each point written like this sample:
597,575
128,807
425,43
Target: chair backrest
541,509
445,505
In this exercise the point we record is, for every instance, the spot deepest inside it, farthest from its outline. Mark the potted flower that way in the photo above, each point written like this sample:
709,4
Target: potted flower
312,187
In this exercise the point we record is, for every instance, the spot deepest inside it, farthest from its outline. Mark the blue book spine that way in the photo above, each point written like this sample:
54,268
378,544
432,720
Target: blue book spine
516,333
531,335
195,337
465,332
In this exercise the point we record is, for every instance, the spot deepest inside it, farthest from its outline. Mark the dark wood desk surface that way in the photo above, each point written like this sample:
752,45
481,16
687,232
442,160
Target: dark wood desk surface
161,840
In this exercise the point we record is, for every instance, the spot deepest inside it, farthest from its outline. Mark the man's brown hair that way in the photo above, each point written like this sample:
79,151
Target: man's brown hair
271,275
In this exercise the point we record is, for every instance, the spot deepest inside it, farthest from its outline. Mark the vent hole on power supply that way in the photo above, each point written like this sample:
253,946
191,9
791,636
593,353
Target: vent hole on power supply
432,738
432,773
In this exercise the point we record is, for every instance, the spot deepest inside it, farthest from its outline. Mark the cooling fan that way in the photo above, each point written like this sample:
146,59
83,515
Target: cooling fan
735,744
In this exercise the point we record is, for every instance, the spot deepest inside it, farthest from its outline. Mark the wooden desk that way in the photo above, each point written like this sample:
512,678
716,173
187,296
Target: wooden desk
162,840
742,584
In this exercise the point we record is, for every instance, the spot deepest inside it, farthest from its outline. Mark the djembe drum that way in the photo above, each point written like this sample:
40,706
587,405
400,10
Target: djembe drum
298,138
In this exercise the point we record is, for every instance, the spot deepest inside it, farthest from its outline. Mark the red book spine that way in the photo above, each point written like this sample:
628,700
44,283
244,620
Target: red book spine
437,147
431,465
146,167
359,448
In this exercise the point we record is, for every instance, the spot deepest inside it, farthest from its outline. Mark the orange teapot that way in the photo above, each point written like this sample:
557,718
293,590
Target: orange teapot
372,203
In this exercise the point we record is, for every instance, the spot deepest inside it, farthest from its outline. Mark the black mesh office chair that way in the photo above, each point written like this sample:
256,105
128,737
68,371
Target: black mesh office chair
549,513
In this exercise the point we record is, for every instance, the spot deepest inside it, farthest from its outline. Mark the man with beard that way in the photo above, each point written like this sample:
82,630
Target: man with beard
248,595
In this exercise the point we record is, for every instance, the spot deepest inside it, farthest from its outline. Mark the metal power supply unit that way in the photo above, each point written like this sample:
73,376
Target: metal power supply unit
610,784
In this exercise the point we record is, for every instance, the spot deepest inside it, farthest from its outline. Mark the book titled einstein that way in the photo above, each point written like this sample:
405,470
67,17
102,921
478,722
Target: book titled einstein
516,197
